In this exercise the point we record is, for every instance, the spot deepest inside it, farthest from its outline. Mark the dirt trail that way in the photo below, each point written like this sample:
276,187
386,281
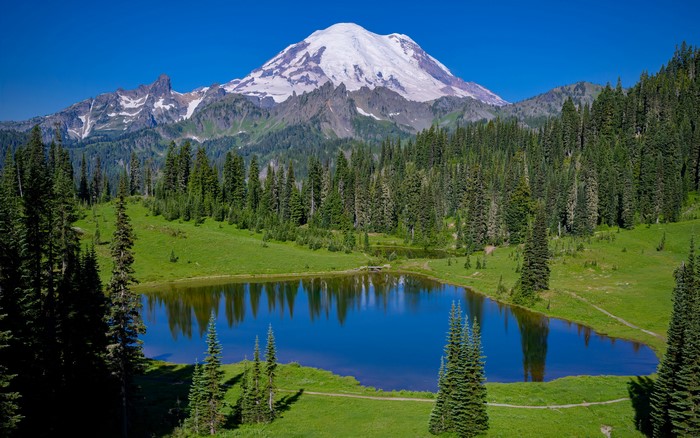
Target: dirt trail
617,318
427,400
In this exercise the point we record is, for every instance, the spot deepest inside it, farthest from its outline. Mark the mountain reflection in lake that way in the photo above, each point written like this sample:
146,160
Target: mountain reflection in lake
386,330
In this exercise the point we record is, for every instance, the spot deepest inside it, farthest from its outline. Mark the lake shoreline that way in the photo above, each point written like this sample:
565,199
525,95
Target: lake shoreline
213,280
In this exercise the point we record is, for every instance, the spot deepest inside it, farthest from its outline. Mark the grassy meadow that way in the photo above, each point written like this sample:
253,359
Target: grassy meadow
302,414
211,249
624,272
620,271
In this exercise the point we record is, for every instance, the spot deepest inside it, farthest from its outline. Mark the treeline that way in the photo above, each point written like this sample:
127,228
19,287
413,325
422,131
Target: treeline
629,158
69,349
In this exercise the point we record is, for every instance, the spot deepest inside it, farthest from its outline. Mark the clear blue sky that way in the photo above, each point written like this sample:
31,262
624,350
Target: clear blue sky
53,54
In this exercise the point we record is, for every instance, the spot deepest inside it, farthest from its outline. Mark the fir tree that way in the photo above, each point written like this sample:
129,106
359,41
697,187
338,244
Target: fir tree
253,184
83,188
460,404
244,404
124,352
534,274
196,402
134,175
9,409
96,183
675,401
438,415
211,377
478,420
254,404
270,375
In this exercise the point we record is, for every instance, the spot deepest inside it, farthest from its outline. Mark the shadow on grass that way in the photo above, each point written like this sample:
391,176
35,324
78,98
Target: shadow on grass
286,402
640,390
234,420
233,381
162,401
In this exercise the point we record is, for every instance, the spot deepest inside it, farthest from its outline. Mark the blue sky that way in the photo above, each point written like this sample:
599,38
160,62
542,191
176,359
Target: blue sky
53,54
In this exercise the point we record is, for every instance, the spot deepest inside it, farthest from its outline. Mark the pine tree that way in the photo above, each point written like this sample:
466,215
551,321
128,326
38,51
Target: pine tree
450,377
675,400
124,352
196,402
83,188
134,175
518,208
253,184
534,275
211,377
460,404
253,404
475,378
244,401
437,422
184,165
96,183
9,409
270,375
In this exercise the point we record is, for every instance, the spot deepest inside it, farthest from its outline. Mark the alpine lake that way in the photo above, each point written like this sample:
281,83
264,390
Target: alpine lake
387,330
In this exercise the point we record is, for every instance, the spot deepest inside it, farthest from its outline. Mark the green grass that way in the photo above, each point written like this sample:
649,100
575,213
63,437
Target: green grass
621,272
309,415
212,249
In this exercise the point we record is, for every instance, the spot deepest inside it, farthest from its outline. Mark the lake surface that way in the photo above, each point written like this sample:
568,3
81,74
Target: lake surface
386,330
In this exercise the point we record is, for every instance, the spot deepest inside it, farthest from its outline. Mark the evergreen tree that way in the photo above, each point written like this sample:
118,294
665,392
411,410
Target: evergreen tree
534,275
170,177
270,375
96,183
477,420
124,352
438,416
184,165
196,402
134,175
9,409
253,403
253,184
245,402
517,210
675,400
83,188
460,404
211,376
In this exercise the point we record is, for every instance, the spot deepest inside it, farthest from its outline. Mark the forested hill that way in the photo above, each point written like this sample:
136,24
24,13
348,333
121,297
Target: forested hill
631,157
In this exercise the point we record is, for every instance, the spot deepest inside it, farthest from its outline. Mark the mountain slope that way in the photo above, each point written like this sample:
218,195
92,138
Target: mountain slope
341,82
537,109
346,53
123,111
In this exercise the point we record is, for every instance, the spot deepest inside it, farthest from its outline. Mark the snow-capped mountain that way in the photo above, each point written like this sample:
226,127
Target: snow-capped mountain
124,110
349,54
392,78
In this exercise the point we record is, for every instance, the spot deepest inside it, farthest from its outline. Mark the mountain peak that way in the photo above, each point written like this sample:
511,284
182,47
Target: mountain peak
162,85
347,53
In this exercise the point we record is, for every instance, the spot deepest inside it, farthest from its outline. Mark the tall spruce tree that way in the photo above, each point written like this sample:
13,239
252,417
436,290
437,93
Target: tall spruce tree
83,187
478,420
196,401
460,404
534,275
124,351
134,175
211,377
675,400
9,408
253,401
270,375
